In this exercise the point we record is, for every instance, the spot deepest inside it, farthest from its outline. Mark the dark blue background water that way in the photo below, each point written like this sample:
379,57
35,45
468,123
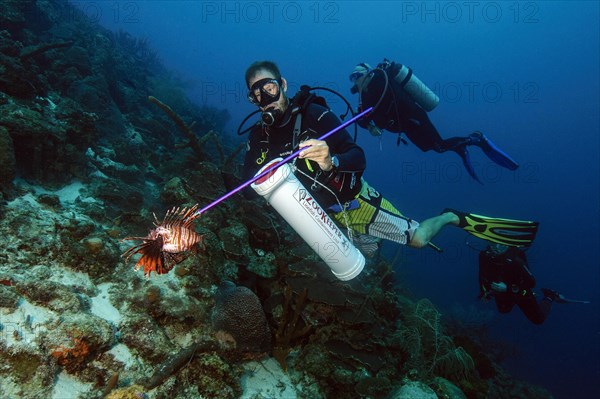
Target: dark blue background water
525,73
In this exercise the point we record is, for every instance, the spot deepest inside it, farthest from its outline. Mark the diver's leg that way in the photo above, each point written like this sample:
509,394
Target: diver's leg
377,217
504,305
429,228
534,311
421,132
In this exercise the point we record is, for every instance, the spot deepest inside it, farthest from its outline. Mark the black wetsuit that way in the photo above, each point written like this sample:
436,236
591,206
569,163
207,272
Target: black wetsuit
399,113
277,141
510,267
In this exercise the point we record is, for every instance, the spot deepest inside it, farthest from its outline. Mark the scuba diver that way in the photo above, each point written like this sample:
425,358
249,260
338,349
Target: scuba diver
401,102
331,170
505,276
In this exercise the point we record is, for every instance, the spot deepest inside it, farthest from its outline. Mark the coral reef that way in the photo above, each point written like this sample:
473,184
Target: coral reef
87,155
176,362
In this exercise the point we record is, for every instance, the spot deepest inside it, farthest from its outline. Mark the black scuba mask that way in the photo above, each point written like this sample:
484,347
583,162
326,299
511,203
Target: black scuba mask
269,89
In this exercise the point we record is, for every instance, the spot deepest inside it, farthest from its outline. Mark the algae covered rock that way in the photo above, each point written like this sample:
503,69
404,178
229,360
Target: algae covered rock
235,241
174,193
373,387
213,377
146,338
52,295
79,339
414,390
263,265
31,375
446,389
9,299
7,158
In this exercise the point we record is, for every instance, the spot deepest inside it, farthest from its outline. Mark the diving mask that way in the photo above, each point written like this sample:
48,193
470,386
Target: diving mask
264,92
358,72
355,76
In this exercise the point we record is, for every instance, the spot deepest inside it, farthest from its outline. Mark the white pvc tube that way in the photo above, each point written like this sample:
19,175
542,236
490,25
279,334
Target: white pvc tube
296,205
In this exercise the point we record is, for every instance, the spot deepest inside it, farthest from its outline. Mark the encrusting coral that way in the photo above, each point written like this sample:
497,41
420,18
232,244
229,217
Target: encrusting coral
72,358
131,392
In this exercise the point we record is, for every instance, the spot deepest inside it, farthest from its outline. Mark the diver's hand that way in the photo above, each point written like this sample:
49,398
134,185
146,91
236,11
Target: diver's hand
374,130
318,151
498,287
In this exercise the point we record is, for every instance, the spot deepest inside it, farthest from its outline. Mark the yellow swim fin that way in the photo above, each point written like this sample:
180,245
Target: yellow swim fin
516,233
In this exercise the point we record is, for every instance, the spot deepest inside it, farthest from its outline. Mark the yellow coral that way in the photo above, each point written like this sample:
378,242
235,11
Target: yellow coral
132,392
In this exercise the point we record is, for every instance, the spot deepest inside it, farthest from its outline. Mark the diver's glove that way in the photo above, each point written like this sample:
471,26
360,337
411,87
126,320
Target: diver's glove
373,129
498,287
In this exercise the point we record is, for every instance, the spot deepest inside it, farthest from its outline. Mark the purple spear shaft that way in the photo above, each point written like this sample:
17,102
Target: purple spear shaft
278,164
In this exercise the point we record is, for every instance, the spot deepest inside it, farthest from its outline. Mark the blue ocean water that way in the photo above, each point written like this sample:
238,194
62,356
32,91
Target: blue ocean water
525,73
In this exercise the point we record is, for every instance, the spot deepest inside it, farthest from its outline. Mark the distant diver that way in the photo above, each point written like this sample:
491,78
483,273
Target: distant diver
401,102
504,275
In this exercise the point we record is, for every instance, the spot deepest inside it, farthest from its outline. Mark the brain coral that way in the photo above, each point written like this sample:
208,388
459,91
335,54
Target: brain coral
239,313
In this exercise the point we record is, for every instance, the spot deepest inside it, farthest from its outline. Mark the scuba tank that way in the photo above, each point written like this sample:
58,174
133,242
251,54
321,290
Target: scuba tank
418,90
286,194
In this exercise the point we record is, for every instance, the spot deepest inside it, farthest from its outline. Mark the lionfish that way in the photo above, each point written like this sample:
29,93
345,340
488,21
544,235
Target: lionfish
165,246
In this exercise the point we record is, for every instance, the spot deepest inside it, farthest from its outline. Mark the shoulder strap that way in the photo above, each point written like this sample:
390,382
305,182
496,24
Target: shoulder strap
297,129
301,100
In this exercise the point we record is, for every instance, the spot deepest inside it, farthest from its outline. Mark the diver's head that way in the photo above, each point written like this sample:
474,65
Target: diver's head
358,76
267,90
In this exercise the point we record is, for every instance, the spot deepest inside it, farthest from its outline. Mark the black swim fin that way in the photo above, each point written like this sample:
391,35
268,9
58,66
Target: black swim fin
516,233
492,151
559,298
